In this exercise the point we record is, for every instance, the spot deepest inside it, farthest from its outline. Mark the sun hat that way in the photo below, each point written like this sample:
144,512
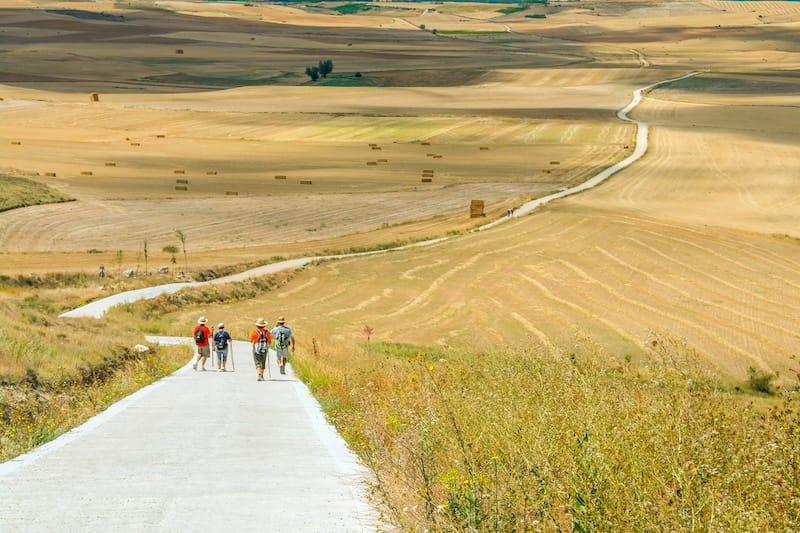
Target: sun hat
202,320
281,320
220,325
261,323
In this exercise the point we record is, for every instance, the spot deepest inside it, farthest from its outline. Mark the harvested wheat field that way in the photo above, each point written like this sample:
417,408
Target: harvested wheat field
205,122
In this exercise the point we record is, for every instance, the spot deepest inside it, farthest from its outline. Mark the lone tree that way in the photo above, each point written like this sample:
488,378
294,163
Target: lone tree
172,250
325,67
313,73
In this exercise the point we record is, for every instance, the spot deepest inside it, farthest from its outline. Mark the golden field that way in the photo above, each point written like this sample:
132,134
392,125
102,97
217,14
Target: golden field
696,240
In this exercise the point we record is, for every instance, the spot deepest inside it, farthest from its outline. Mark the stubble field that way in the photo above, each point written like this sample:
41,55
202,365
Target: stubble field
697,241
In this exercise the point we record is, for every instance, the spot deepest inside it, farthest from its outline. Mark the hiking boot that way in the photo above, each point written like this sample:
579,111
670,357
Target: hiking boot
194,366
283,370
260,378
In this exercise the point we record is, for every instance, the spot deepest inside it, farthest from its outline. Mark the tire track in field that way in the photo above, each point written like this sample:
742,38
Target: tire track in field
700,274
660,312
549,294
721,257
694,297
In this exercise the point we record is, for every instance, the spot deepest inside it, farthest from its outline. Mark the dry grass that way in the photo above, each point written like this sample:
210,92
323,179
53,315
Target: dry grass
541,440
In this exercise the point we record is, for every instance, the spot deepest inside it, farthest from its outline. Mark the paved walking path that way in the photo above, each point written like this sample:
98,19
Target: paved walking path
196,451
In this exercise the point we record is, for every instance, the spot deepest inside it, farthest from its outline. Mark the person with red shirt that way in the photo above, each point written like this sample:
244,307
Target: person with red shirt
201,335
260,339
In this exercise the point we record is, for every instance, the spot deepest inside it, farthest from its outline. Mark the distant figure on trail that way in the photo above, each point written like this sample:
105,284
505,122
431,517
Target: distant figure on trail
222,340
260,338
102,271
202,336
283,341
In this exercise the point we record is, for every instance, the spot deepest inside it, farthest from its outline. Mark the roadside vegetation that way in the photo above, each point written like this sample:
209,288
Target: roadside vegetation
57,373
542,440
22,192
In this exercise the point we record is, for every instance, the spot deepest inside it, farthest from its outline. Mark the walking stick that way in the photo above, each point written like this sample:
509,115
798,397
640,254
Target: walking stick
233,365
269,370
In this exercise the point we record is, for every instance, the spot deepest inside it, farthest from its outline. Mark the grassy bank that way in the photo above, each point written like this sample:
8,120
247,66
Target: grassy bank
538,440
57,373
22,192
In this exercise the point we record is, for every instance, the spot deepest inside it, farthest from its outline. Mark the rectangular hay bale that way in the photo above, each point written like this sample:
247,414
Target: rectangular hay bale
181,188
305,182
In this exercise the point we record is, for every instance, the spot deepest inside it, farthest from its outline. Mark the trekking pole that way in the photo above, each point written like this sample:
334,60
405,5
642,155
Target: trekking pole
233,365
269,370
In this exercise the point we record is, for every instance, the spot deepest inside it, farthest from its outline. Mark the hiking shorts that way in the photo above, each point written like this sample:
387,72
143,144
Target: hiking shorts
222,355
204,351
280,353
260,359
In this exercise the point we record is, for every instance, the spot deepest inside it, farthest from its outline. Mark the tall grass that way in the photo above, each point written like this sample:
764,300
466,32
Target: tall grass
22,192
538,440
56,373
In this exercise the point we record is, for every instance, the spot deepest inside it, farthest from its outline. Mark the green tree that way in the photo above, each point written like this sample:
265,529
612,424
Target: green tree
171,250
325,67
313,73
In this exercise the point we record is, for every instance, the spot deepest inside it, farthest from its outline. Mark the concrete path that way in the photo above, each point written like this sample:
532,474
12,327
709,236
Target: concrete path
196,451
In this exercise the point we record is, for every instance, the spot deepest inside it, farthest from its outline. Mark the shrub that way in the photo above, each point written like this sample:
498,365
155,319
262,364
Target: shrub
760,381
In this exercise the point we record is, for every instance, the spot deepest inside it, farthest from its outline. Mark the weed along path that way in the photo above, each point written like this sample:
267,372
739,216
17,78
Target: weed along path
196,451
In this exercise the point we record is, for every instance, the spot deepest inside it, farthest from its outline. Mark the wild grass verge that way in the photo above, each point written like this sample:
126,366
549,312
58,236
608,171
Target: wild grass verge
538,440
56,373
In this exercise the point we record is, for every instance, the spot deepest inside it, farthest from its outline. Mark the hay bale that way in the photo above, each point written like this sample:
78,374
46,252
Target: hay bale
555,162
476,209
160,136
383,160
211,173
372,144
179,51
305,182
280,177
370,163
110,164
86,173
430,155
231,193
179,171
181,188
184,181
135,144
94,97
483,148
438,156
427,180
426,144
16,142
376,148
50,174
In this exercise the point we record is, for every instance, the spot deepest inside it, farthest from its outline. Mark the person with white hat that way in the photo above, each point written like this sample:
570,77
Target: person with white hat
201,336
222,339
284,340
260,338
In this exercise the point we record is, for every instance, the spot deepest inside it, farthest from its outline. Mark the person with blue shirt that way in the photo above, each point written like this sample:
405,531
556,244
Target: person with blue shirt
283,341
222,341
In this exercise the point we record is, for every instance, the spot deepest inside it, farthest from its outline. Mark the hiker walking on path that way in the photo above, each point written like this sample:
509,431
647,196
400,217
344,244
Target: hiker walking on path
283,341
260,338
222,340
202,336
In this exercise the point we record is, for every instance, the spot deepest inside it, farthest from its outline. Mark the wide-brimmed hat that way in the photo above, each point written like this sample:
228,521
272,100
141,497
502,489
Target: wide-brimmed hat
220,325
261,323
202,320
281,320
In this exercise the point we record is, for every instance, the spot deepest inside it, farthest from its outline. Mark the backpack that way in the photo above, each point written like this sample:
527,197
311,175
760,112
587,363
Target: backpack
222,340
282,339
200,335
263,343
